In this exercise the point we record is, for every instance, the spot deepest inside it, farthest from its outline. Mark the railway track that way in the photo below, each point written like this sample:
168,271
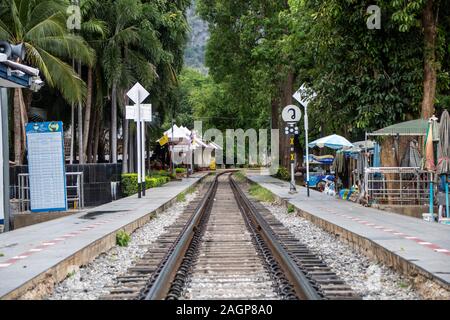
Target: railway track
226,246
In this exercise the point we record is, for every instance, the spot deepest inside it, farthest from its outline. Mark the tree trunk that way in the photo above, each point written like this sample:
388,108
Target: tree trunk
101,149
80,125
90,149
72,127
72,133
131,140
287,92
125,137
27,98
87,113
17,128
24,121
113,142
95,152
429,23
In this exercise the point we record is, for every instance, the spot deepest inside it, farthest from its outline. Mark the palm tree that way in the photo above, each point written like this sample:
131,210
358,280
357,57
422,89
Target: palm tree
93,30
41,26
125,55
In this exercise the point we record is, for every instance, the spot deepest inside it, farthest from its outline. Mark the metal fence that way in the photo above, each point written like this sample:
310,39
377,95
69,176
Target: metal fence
398,186
74,185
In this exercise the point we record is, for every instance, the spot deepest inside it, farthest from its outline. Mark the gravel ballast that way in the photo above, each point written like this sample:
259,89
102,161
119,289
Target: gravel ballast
92,281
371,280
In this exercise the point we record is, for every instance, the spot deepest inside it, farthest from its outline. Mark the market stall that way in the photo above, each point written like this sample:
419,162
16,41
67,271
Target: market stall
335,142
420,178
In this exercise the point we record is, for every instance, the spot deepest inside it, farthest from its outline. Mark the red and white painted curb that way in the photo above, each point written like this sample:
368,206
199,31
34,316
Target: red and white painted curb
419,241
50,243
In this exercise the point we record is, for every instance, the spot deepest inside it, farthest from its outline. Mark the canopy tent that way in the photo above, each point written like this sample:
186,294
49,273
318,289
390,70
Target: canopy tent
177,133
361,146
409,128
412,128
334,142
324,160
187,141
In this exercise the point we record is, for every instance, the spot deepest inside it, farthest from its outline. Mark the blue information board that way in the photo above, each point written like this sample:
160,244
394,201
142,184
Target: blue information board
46,166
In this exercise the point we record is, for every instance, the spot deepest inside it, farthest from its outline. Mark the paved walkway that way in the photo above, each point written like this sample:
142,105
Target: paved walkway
424,244
28,252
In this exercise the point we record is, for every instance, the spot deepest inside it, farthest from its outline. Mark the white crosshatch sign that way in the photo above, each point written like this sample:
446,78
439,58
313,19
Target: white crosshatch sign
146,112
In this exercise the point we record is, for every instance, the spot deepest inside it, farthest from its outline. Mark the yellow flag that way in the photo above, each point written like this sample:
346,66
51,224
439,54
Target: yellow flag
163,140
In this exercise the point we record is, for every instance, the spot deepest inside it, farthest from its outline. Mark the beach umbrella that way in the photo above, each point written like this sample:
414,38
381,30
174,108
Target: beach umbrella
443,167
429,161
334,142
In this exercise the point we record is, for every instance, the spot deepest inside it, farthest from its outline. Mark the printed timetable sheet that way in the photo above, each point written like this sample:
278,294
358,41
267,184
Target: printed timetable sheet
46,166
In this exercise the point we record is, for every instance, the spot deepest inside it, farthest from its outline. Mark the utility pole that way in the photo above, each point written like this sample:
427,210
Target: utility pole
144,186
291,115
172,167
304,97
4,160
138,94
307,149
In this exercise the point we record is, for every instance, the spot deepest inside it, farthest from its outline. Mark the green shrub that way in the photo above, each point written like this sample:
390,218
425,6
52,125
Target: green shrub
122,238
291,208
261,194
180,170
239,176
130,184
190,190
283,174
181,197
163,173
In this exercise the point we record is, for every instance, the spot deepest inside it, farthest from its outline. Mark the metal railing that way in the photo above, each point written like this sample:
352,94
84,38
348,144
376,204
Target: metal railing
397,186
74,186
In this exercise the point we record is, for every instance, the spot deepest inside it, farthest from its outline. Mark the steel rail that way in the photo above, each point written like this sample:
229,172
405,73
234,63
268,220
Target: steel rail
295,275
161,285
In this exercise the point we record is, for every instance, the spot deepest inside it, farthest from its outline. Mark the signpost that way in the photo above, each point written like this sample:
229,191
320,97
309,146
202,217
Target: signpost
146,116
304,98
138,94
292,115
46,166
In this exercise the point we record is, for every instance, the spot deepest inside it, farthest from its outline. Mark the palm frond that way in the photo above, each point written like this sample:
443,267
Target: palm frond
68,46
95,27
62,76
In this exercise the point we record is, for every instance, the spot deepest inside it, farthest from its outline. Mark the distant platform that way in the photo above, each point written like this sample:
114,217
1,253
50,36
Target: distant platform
410,245
41,255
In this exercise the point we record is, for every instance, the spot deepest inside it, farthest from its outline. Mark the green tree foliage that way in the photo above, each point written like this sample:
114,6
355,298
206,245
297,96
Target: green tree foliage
365,79
120,42
41,26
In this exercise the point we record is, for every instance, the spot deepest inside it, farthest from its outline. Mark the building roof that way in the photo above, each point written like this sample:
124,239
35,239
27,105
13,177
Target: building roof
417,127
16,75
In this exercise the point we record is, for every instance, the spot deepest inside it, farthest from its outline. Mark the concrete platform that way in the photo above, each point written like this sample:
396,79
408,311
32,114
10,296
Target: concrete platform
408,244
34,258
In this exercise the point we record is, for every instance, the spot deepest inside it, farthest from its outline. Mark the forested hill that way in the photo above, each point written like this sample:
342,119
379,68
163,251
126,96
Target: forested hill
194,55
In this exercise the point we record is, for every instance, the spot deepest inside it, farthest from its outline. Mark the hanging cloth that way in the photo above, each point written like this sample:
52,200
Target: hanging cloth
376,156
412,157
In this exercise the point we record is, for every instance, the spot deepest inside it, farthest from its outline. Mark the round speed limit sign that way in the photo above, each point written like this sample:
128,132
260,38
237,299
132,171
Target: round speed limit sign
292,114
